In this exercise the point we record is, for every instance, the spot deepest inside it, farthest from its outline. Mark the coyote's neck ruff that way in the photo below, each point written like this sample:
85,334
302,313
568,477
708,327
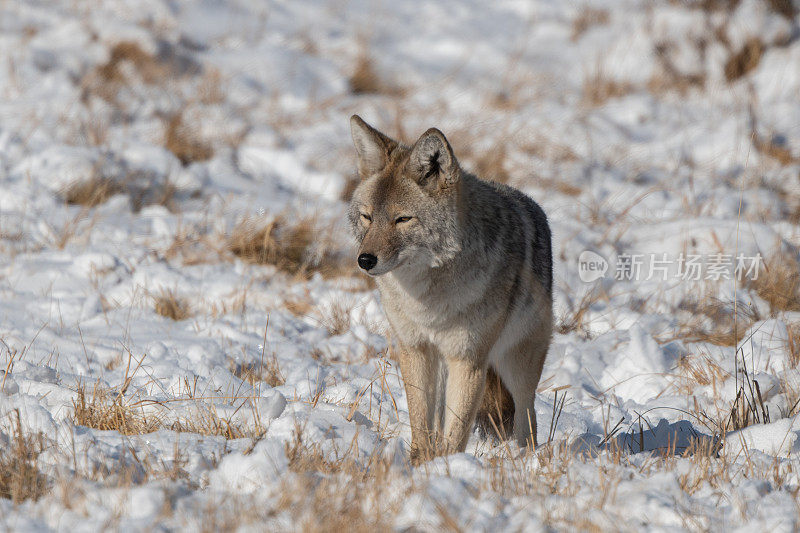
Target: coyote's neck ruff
464,267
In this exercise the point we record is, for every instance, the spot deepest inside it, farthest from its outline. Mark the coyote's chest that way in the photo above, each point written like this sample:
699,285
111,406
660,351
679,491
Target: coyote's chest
432,313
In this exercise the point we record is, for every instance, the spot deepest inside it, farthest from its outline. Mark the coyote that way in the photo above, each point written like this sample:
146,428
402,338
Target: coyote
464,269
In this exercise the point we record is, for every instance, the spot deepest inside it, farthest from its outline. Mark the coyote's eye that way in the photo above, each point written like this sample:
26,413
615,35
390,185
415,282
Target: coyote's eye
400,220
366,218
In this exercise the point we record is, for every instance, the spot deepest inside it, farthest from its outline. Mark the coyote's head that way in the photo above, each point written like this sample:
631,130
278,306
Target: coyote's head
405,211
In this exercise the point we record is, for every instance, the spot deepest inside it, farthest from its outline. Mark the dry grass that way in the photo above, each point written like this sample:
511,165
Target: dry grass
778,283
278,243
299,307
338,493
192,245
365,79
129,64
336,317
20,477
776,150
291,247
211,87
92,192
147,65
774,147
588,17
784,7
150,189
599,88
709,319
793,343
575,319
142,189
669,78
170,305
322,492
184,140
108,411
747,408
206,421
266,371
744,60
699,370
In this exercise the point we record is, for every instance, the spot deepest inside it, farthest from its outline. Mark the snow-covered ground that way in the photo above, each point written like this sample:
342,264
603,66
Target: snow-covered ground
177,385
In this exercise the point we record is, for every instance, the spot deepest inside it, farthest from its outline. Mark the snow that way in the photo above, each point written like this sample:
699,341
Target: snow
775,439
666,166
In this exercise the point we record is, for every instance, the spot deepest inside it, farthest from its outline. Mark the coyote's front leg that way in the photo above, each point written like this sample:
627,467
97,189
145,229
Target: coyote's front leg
420,374
465,382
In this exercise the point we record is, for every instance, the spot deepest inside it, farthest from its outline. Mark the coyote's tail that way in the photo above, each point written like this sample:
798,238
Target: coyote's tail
496,414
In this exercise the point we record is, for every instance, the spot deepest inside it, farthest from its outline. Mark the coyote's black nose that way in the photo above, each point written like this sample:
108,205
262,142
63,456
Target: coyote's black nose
367,261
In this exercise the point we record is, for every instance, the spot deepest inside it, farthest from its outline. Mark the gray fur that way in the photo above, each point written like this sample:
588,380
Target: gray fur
466,283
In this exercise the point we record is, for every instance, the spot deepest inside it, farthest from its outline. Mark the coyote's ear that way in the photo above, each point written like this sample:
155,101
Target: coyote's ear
373,147
432,162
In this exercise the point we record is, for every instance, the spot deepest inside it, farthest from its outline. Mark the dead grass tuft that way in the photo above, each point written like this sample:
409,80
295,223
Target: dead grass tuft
20,477
714,321
778,283
669,77
170,305
299,307
280,244
192,245
588,17
265,371
107,411
206,421
366,80
127,59
292,248
336,317
786,8
129,64
184,141
748,406
575,319
793,343
146,64
743,61
776,149
598,89
699,369
210,90
142,188
712,6
92,192
336,492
